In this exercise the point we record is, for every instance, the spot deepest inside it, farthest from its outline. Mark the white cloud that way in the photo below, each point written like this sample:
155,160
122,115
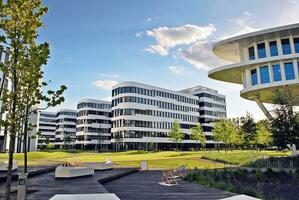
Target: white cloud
104,84
139,34
289,14
157,49
177,70
200,55
240,25
170,37
149,19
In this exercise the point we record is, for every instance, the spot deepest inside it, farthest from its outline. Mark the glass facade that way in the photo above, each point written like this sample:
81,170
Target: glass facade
273,48
261,50
289,71
254,77
265,77
251,53
286,47
276,72
296,45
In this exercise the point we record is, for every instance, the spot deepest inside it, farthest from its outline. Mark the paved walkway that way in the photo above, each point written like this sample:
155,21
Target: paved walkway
145,186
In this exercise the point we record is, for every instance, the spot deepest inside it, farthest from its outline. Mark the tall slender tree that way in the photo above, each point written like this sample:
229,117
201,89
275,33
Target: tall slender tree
176,134
198,135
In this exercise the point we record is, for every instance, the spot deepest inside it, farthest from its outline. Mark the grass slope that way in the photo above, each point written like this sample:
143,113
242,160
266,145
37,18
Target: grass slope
165,159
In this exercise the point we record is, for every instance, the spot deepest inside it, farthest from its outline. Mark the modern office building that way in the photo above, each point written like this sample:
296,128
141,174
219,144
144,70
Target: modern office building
65,133
143,116
46,128
212,107
93,125
262,61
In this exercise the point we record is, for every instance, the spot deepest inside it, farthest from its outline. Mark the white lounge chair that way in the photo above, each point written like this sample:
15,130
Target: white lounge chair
109,196
168,178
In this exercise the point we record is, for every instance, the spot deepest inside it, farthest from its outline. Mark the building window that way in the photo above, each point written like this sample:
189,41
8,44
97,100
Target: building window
254,77
261,50
296,45
251,53
276,72
286,47
273,48
264,71
289,71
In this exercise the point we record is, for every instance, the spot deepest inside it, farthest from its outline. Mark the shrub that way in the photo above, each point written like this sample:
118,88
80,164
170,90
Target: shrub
49,146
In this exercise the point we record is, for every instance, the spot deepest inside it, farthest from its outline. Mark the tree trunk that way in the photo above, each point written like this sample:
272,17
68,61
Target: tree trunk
13,127
5,138
25,139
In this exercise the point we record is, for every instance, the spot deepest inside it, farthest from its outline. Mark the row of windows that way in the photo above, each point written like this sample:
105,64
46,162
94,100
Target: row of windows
211,105
47,125
93,130
160,104
94,105
276,71
67,113
73,134
66,120
65,126
47,120
212,113
48,115
94,112
211,96
153,93
91,121
45,130
207,120
120,112
285,45
92,137
147,124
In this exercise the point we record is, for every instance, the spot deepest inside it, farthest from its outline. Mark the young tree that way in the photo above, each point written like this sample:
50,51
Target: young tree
198,135
285,124
225,131
248,126
176,134
263,136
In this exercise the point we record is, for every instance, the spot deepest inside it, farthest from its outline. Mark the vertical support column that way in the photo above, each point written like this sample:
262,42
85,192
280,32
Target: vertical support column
267,47
255,50
279,47
295,63
264,109
292,44
283,74
271,72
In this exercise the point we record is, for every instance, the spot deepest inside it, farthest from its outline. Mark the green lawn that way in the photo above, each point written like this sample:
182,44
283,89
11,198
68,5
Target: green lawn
165,159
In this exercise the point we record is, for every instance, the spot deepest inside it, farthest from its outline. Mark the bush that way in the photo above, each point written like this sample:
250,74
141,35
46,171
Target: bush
49,146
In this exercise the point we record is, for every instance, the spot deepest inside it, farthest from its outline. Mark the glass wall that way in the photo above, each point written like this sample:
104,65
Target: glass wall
276,72
289,71
296,44
265,77
261,50
273,48
251,53
254,77
286,47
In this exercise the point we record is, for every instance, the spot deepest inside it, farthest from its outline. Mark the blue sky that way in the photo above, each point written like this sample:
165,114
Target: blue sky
95,44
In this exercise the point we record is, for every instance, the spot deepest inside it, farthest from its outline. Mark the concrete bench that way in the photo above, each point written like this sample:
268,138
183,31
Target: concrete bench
71,172
98,166
4,165
109,196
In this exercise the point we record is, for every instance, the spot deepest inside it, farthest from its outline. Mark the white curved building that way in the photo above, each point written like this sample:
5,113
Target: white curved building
262,61
46,127
65,134
93,124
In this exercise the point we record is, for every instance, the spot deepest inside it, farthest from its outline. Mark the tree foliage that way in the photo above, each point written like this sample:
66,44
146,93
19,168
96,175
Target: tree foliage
198,135
263,136
227,132
285,123
176,134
